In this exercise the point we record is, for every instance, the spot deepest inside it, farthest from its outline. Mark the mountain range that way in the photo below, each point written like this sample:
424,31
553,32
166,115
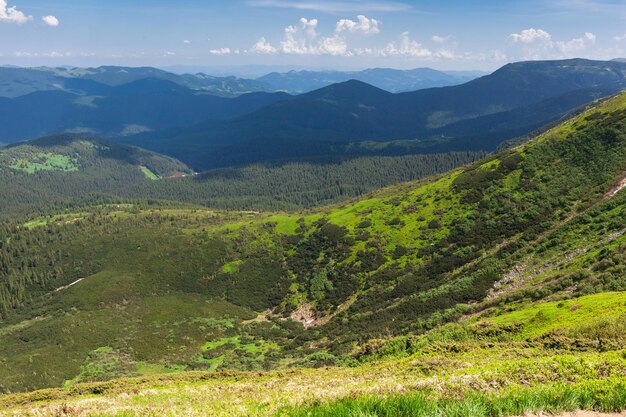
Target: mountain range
138,106
16,81
178,116
355,118
392,80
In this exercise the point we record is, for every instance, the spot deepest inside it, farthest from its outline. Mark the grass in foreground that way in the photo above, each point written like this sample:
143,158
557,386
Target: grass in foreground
605,396
447,380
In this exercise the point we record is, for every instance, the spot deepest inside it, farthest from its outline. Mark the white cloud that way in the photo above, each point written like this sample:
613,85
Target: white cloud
410,48
304,38
539,44
335,45
440,39
620,38
50,21
531,35
57,54
12,15
406,47
590,37
310,27
328,6
186,41
364,25
220,51
262,46
53,54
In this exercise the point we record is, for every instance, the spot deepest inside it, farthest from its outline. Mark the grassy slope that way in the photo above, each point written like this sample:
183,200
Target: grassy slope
412,257
462,369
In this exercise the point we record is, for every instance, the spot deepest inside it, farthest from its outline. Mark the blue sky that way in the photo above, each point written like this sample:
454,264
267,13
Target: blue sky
444,34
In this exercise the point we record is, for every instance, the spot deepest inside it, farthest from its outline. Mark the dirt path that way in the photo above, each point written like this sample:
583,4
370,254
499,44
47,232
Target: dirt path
69,285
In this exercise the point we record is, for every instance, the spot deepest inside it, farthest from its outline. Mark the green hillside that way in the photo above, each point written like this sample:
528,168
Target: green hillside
293,185
72,171
58,168
495,289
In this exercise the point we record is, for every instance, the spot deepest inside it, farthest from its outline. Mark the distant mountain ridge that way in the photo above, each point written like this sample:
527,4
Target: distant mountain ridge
17,81
117,110
20,81
478,115
392,80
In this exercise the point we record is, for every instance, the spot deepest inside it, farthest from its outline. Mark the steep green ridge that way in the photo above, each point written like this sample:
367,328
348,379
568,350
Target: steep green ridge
58,168
130,290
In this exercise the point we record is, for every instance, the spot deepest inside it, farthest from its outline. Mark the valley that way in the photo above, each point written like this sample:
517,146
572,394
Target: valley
495,288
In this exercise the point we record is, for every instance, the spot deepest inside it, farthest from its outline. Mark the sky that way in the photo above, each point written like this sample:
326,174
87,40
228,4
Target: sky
340,34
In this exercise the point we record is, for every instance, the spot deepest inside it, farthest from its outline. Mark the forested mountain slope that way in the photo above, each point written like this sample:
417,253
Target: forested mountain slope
297,184
55,169
129,290
65,170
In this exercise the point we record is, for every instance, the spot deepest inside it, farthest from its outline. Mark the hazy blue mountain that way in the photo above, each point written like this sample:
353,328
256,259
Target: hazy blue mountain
513,101
15,82
392,80
139,106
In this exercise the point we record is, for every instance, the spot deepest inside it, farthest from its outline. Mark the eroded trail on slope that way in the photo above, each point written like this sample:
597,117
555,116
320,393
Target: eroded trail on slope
617,188
522,273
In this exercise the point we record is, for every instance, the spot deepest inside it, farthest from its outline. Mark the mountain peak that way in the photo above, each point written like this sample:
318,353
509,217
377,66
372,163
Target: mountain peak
351,89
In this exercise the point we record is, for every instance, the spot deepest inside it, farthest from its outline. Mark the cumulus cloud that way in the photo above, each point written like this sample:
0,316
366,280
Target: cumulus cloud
299,39
539,44
220,51
410,48
186,41
364,25
620,38
304,38
262,46
406,47
10,14
531,35
50,21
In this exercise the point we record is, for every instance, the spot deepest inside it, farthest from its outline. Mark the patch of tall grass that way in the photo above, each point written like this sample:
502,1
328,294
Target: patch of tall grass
605,396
